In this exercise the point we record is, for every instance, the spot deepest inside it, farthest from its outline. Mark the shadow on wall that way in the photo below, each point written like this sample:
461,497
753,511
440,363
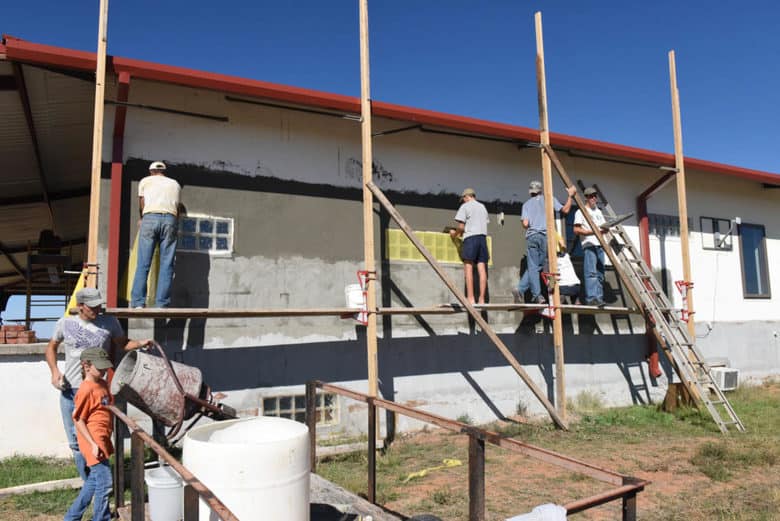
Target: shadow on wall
283,365
177,333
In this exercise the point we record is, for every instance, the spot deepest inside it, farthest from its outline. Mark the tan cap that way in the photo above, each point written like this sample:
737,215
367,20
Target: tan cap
590,191
468,191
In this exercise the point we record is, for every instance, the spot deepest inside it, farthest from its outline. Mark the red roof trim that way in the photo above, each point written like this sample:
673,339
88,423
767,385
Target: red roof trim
20,50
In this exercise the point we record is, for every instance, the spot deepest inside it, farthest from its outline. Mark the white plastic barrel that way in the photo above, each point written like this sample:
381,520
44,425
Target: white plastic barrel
353,294
166,494
258,467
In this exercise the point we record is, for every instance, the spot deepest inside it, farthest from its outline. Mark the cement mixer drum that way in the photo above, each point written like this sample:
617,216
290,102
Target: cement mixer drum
144,380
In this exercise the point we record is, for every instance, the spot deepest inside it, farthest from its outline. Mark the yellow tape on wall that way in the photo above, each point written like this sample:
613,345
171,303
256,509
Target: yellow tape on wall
444,248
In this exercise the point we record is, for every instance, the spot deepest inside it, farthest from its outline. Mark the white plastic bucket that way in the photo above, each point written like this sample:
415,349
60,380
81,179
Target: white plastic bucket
259,467
354,296
166,494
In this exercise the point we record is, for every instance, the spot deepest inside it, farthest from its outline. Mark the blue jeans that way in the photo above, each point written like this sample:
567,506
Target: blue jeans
66,408
98,484
156,228
537,260
594,273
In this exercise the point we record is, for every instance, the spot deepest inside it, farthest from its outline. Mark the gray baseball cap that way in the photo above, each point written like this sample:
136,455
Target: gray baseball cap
97,357
90,297
534,187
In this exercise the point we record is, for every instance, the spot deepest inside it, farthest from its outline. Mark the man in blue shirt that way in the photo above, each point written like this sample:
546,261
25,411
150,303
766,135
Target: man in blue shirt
535,224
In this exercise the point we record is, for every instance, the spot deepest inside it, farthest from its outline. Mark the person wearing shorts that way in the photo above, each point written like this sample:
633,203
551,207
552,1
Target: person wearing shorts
472,220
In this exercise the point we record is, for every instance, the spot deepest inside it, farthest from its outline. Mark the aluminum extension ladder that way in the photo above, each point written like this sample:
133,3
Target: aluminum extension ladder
671,330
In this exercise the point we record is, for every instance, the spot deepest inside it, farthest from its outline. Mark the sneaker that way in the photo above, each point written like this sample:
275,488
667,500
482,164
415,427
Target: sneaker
517,296
597,302
540,300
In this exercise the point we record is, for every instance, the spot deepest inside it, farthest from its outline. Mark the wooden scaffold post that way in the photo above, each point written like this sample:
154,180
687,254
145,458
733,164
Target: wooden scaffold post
90,267
368,203
682,203
552,236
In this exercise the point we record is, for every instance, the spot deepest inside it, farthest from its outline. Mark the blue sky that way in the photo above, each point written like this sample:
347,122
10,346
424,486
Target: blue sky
607,68
607,65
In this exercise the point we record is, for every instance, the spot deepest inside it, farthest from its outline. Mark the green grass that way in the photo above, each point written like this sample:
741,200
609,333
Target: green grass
22,470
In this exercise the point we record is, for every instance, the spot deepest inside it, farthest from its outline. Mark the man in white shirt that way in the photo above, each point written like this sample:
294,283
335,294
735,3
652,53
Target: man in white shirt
593,252
158,202
472,219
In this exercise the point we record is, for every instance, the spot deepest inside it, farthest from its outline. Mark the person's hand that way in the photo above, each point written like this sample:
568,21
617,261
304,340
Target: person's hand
56,380
453,233
96,450
145,344
572,190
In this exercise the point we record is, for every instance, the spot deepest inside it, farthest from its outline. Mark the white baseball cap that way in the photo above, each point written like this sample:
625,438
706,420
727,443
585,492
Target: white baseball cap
157,165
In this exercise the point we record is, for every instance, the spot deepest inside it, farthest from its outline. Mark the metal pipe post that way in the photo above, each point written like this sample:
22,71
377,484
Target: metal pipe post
629,507
191,504
476,478
371,451
137,478
311,422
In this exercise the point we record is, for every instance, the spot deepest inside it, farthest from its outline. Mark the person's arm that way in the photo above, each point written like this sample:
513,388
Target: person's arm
141,206
458,230
526,223
51,361
569,199
81,427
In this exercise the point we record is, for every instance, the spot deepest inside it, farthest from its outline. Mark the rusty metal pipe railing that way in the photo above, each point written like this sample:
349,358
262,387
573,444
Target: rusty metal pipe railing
194,488
627,491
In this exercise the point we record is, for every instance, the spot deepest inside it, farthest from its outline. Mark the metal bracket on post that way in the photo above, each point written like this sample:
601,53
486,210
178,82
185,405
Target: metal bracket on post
683,286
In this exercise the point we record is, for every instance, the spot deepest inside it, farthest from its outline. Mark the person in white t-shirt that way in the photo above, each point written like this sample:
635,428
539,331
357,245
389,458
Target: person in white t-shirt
593,252
472,219
158,202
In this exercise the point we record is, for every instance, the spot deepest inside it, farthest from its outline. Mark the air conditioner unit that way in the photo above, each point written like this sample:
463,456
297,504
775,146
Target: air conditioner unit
726,378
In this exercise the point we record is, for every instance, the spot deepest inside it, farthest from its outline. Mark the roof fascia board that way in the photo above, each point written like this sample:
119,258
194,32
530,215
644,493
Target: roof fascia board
20,50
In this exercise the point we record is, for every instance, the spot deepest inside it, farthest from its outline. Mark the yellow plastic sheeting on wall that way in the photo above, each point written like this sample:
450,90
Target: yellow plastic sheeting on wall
72,300
443,248
126,284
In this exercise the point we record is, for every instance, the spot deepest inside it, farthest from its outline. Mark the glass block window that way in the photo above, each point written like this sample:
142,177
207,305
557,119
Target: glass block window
294,408
206,234
755,272
665,225
715,233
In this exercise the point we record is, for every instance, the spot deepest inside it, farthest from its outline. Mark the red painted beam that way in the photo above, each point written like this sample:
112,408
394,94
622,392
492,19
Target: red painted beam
115,211
644,247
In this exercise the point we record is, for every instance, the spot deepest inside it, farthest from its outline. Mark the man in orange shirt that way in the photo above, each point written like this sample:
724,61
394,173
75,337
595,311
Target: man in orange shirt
93,427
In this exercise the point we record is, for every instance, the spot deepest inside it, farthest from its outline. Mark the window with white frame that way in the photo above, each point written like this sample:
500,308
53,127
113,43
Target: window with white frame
206,234
716,233
294,407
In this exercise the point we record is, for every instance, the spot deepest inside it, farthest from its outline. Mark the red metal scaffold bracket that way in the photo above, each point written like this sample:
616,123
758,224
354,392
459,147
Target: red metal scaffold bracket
683,286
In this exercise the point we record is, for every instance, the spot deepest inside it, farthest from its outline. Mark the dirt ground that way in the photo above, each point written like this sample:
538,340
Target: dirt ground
695,473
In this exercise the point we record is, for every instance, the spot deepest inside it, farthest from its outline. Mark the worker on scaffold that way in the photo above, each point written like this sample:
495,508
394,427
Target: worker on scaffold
593,252
472,219
535,224
158,203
